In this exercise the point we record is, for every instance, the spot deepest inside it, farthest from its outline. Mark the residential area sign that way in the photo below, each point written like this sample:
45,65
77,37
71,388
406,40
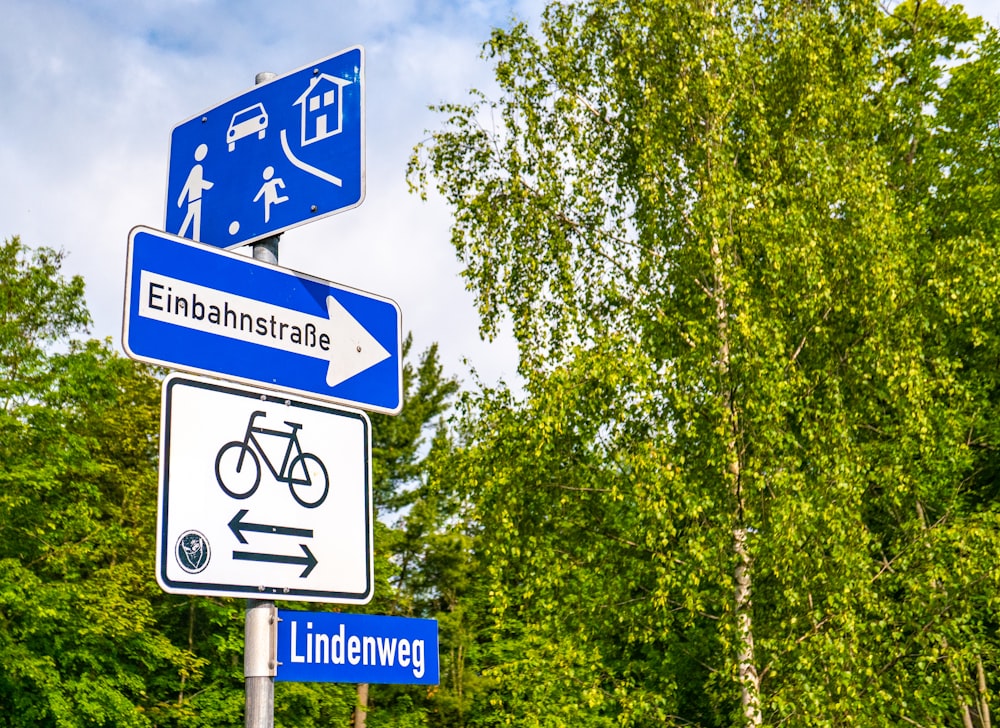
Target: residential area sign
283,153
262,495
210,311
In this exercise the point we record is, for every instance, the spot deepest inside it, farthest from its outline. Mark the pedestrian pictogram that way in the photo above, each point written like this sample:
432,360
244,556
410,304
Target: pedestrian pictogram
268,192
190,198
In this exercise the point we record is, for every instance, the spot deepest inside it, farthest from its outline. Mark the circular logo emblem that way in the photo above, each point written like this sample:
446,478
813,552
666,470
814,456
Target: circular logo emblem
192,551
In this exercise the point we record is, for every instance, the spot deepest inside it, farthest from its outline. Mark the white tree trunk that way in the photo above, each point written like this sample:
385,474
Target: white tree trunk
746,662
743,573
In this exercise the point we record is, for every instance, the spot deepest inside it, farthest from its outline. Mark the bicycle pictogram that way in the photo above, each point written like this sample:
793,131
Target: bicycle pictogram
237,466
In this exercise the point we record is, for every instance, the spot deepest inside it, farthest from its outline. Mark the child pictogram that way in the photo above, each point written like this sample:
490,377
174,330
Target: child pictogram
269,191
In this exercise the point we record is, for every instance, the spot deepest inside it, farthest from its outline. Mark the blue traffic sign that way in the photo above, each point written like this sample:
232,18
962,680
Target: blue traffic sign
286,152
356,648
209,311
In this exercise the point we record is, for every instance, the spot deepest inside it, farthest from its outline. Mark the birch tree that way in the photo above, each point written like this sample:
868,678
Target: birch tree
747,255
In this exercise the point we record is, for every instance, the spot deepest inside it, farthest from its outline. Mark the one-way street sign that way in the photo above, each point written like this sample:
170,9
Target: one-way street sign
283,153
206,310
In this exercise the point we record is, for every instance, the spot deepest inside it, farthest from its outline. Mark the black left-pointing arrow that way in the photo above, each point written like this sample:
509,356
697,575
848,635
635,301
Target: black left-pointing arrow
309,561
237,525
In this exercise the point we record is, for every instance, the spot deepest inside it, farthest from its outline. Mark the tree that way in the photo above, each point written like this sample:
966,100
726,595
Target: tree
38,307
749,254
78,636
424,549
441,577
399,441
86,635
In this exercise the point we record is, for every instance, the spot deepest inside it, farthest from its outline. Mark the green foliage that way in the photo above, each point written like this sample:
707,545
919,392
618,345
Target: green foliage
750,254
86,636
312,705
78,634
427,555
398,441
37,307
749,250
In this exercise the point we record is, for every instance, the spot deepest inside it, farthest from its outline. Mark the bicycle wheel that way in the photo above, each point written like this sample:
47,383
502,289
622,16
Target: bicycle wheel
238,481
307,480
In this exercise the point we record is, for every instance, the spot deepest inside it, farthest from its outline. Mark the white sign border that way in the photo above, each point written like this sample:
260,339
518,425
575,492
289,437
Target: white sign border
256,87
168,364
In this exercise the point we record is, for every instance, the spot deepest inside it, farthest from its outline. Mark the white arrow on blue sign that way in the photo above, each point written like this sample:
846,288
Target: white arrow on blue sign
283,153
209,311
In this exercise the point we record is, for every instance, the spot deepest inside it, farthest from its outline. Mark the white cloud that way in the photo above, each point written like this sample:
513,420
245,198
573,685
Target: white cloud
92,90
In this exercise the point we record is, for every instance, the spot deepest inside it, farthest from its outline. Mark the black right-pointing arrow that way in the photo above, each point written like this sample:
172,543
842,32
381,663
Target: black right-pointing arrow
309,561
237,525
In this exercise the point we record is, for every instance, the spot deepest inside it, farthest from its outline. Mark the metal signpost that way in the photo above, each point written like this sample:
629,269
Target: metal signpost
288,151
262,495
265,490
210,311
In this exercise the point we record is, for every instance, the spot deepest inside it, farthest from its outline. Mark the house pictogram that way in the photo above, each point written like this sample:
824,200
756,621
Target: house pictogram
322,114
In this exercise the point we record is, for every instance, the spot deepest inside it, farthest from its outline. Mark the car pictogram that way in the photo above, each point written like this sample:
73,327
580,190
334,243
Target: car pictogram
251,120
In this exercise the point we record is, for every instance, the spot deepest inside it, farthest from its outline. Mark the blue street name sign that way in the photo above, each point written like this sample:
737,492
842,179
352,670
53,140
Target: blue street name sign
205,310
283,153
356,648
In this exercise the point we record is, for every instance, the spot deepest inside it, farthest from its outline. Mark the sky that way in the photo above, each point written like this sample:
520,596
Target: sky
90,91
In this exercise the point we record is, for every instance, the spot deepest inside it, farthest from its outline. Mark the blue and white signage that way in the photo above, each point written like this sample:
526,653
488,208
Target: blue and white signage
356,648
286,152
206,310
263,495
